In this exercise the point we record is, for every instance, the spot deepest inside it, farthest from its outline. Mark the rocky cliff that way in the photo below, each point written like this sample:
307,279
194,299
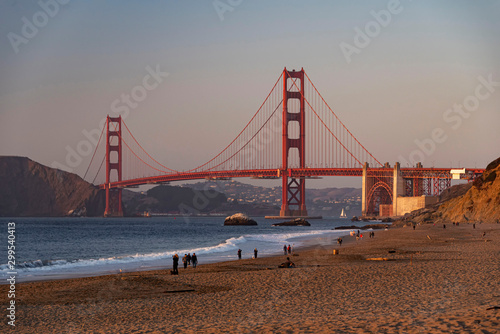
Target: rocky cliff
481,203
28,188
476,202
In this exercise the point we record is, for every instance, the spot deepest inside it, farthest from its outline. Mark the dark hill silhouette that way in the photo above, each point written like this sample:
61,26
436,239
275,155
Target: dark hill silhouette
28,188
173,199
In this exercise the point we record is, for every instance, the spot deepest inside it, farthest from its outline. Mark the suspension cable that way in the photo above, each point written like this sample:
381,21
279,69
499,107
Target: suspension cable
93,155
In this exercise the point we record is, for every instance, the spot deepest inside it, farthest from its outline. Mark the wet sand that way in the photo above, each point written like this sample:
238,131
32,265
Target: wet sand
428,280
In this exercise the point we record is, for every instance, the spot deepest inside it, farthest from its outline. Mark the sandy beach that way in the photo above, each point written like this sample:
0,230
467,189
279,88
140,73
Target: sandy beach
427,280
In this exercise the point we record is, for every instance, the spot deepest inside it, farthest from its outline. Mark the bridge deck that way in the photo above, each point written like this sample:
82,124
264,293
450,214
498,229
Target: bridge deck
439,173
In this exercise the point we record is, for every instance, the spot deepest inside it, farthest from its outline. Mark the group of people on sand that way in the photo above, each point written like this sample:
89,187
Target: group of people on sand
287,264
287,250
255,252
188,259
358,235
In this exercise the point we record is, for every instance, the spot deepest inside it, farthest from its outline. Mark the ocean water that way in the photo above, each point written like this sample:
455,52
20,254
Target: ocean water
53,248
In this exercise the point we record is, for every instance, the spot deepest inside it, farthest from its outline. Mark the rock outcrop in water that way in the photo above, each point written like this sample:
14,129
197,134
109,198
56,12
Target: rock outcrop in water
28,188
239,219
294,222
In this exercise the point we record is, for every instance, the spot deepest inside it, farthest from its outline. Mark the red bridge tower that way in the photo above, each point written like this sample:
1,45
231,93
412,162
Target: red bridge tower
293,201
113,163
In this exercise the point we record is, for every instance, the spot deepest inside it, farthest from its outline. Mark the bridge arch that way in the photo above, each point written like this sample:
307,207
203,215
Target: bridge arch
380,193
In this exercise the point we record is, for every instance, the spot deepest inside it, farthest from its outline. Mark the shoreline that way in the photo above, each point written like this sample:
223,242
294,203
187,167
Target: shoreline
433,280
166,264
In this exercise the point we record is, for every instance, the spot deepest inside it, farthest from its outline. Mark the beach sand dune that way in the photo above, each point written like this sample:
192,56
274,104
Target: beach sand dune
428,280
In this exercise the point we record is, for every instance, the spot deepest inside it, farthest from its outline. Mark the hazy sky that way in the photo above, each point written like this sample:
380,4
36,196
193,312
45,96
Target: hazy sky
65,65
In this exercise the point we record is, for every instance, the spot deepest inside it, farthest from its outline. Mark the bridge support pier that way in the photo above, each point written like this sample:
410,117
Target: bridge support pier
113,164
364,187
398,188
294,190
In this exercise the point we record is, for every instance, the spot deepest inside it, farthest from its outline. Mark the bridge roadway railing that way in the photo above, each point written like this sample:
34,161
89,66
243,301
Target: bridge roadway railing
439,173
257,173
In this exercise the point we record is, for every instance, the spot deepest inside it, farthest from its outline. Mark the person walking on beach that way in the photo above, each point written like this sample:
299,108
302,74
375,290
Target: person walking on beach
284,250
188,259
255,253
175,259
339,241
194,259
239,254
184,260
289,249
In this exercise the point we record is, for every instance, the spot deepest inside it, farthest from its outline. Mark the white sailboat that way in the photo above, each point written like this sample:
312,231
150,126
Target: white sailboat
342,214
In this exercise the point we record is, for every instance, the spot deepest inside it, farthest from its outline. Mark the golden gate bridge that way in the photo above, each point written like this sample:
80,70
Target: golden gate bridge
295,136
